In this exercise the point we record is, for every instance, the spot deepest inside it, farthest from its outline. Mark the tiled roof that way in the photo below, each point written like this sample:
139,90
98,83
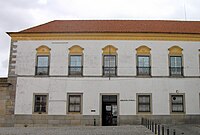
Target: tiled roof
116,26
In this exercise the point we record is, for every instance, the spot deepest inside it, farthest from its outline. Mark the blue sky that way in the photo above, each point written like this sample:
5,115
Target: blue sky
20,14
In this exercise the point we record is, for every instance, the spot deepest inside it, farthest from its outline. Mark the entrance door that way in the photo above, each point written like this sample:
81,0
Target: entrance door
109,110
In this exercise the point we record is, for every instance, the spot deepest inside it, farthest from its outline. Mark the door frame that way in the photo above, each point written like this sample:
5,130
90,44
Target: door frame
100,106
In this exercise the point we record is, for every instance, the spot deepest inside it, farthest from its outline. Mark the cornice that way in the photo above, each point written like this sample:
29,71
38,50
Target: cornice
105,36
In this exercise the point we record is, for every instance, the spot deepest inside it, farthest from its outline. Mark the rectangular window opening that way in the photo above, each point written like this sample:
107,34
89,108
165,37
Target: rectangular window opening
42,67
177,103
144,103
75,65
143,65
74,103
40,104
109,65
176,68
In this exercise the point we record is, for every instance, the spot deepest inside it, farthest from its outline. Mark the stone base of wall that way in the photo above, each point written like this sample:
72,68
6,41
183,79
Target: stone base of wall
7,101
164,119
88,120
56,120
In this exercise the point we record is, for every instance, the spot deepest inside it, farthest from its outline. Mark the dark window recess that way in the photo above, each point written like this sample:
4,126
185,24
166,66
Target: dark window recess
75,65
176,68
177,103
42,67
143,65
74,103
40,103
109,65
144,104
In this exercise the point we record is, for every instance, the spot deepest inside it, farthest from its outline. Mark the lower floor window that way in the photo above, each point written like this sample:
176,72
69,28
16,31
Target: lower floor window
144,103
74,103
40,105
177,103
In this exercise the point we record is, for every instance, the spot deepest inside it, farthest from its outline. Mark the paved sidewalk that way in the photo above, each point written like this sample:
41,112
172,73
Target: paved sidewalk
185,129
117,130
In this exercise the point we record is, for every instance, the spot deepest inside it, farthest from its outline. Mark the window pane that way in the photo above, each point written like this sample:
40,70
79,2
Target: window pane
109,61
74,103
144,99
109,65
71,108
75,67
143,103
176,65
177,103
177,99
143,108
176,61
72,100
42,67
43,109
143,61
43,61
40,103
78,99
177,108
76,61
42,71
77,108
143,67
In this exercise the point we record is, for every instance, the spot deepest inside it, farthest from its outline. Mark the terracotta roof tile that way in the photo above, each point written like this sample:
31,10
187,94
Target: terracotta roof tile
116,26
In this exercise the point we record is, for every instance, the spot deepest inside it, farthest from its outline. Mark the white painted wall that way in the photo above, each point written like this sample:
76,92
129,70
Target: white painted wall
58,87
92,87
26,56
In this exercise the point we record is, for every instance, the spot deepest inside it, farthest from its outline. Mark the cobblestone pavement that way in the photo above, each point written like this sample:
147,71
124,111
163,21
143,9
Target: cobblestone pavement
117,130
186,129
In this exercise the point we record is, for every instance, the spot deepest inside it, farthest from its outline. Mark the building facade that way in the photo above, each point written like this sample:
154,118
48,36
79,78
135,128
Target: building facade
106,72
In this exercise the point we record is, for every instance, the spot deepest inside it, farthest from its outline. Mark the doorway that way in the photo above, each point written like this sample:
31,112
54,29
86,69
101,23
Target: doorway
109,110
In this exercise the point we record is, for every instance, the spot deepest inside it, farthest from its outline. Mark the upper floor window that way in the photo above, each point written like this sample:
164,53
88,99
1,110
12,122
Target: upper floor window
109,61
75,66
109,67
176,65
42,64
42,67
175,61
40,103
75,60
143,60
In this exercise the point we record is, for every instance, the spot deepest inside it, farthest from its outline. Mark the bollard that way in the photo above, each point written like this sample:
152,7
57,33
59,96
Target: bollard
155,128
148,124
174,132
158,129
167,131
163,130
152,126
94,122
142,123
